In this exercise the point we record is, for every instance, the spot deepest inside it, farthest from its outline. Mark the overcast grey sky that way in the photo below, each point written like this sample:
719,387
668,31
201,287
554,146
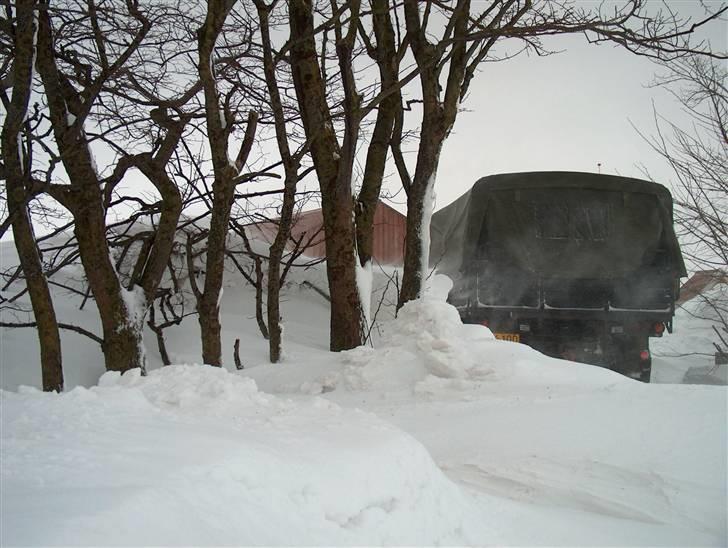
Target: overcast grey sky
568,111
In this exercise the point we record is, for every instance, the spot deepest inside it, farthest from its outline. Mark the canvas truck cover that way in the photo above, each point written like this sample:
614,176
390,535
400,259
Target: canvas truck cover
557,224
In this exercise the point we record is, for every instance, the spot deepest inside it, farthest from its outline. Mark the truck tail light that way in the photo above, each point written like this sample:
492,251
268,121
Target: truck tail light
644,355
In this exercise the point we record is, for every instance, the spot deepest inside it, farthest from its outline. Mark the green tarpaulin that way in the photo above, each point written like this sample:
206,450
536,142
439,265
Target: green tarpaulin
557,224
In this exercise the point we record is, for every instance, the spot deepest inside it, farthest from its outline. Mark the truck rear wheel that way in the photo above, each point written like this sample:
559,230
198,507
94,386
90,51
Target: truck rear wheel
645,359
631,357
642,358
646,374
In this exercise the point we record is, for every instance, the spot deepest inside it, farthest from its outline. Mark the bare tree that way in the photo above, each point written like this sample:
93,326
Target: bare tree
698,157
80,61
220,122
291,161
254,275
333,123
385,50
171,310
252,264
449,60
333,160
17,168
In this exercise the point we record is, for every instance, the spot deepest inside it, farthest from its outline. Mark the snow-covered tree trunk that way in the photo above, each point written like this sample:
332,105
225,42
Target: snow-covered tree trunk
420,204
439,115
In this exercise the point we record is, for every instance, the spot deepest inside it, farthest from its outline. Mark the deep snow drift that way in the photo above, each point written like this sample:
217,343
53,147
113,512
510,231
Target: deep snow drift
559,452
197,456
438,434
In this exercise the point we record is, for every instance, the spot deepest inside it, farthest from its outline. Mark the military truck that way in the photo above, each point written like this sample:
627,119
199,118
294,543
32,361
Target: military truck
580,266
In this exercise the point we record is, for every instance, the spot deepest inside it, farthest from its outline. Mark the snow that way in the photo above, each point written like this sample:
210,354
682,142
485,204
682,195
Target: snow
429,208
690,347
21,150
436,434
135,303
223,121
136,306
364,287
236,467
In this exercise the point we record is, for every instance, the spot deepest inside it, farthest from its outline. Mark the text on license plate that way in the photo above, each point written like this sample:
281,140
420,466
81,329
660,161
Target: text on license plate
513,337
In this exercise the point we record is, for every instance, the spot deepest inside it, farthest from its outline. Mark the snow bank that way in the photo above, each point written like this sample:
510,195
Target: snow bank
195,455
428,349
560,453
543,451
687,355
427,339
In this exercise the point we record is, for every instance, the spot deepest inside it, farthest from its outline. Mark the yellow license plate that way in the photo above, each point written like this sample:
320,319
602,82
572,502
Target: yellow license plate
513,337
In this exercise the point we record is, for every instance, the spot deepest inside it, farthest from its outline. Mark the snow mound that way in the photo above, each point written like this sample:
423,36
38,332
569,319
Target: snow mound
427,349
427,339
194,455
192,389
433,330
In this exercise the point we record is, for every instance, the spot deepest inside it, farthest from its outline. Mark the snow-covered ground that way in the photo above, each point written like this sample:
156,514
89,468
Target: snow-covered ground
688,356
435,434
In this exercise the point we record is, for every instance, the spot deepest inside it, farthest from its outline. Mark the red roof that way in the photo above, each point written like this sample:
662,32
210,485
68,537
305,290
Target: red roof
389,233
701,282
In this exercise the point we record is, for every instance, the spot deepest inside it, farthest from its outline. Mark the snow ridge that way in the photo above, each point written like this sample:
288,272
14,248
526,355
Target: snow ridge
235,465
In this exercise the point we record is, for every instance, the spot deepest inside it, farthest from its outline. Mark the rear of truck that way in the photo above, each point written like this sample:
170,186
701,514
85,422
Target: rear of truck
580,266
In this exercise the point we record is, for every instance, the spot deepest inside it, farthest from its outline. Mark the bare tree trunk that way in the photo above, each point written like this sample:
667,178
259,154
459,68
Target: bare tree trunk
121,334
159,334
17,176
122,311
208,306
40,298
275,331
386,55
333,165
220,121
291,163
257,281
438,119
210,330
236,355
277,249
259,316
347,329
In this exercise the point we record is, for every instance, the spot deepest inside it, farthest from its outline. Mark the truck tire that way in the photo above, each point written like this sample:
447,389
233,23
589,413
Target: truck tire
625,358
646,373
